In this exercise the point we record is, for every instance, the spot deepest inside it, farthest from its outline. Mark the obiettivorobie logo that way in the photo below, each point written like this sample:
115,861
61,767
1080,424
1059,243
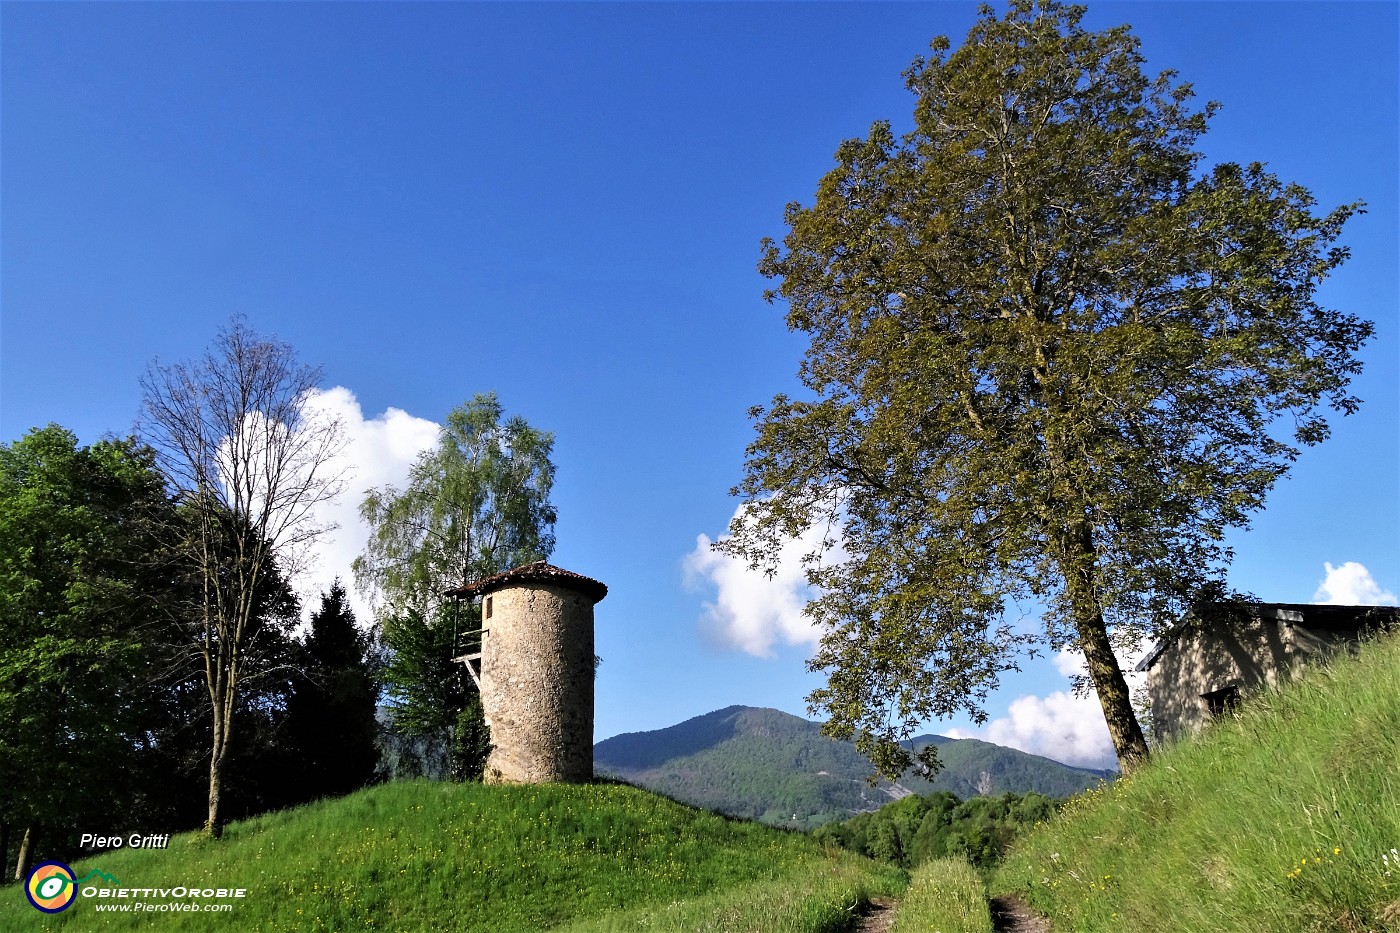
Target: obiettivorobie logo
52,887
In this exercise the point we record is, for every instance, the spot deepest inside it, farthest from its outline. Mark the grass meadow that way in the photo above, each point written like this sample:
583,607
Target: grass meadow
419,856
1283,818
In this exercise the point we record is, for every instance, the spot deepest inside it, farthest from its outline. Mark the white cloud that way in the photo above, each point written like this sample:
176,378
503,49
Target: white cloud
1351,585
379,451
752,612
1070,662
1061,726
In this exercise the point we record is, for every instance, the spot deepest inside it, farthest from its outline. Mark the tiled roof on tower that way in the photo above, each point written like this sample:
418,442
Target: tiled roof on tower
538,572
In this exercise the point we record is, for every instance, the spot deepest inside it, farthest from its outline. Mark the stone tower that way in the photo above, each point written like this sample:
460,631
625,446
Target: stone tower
535,671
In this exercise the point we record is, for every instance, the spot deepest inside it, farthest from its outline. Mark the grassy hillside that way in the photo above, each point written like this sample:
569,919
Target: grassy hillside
431,856
1283,818
769,765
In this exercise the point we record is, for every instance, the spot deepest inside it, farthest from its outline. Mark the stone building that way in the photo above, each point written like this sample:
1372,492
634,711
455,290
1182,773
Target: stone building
1200,667
535,669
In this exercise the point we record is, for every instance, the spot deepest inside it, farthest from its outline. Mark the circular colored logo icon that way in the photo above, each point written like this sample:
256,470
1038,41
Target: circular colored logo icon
50,887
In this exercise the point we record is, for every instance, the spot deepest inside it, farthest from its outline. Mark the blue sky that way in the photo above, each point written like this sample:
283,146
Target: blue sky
563,203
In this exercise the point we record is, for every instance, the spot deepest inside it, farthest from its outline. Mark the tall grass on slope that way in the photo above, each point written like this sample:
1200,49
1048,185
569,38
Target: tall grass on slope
422,856
1284,818
945,896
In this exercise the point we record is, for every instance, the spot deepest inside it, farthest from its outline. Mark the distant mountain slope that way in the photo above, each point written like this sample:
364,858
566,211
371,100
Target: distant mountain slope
769,765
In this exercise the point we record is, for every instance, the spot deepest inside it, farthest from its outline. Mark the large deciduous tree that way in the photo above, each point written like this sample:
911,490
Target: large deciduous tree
251,462
1050,358
475,505
81,632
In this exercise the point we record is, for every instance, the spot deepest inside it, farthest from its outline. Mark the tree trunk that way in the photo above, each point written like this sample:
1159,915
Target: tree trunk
1080,564
4,842
26,853
1112,688
214,825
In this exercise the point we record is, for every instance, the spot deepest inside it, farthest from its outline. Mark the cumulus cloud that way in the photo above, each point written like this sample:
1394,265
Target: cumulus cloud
1070,663
750,611
1061,726
379,451
1351,585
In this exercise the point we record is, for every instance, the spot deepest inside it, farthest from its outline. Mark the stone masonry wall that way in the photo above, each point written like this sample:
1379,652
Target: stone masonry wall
1212,658
537,673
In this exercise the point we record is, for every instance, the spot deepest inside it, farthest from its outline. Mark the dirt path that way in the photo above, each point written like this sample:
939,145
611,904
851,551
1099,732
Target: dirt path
877,917
1011,915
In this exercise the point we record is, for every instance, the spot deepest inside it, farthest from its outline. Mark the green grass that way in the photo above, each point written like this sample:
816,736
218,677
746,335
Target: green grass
819,893
461,857
1282,819
945,896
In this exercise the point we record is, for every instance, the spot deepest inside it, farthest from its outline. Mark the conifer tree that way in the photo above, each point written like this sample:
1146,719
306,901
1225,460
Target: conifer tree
331,713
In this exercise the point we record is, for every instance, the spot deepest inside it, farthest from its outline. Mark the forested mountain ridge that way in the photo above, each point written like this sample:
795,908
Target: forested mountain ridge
770,765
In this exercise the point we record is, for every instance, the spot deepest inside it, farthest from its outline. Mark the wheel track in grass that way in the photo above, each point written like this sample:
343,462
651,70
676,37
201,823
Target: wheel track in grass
1010,914
877,916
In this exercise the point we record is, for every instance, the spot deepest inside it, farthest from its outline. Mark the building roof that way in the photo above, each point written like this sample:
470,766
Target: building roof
1308,615
538,572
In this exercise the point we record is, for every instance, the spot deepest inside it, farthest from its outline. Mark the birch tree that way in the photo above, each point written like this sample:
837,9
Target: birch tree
475,505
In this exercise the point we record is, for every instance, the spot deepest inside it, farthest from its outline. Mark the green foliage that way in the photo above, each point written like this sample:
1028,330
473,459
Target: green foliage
1047,360
330,720
428,695
475,505
1283,817
426,690
81,568
432,856
944,896
104,709
917,829
471,743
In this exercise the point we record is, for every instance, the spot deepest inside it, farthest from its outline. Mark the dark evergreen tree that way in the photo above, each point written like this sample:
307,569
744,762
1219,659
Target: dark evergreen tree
331,725
427,692
174,750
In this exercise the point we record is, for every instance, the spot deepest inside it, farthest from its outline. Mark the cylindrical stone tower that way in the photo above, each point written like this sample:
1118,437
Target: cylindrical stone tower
537,669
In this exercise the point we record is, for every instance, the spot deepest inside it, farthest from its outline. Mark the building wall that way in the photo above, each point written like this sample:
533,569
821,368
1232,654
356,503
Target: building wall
537,677
1239,653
